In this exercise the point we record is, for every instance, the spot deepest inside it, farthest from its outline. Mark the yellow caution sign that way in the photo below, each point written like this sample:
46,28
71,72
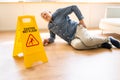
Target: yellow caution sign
28,41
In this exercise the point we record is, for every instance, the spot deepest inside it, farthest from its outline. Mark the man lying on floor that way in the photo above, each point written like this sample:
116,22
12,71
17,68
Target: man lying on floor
76,34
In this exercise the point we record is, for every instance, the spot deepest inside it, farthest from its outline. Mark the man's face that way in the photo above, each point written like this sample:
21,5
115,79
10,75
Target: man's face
46,15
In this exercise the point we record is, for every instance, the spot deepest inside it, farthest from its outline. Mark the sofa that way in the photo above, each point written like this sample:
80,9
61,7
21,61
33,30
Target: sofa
111,22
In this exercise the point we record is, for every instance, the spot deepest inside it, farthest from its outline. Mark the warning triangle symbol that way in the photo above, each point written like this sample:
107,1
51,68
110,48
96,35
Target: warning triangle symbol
31,41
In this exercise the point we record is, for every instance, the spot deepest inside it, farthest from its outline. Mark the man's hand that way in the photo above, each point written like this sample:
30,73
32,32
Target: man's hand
82,23
46,42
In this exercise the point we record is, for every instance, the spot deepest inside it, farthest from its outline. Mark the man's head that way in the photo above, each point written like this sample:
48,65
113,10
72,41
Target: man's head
46,15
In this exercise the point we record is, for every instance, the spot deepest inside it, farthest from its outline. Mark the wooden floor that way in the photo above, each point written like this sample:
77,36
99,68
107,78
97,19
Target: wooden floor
64,62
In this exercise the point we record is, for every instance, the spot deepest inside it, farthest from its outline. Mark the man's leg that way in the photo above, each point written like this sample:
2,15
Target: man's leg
78,44
88,39
115,42
106,45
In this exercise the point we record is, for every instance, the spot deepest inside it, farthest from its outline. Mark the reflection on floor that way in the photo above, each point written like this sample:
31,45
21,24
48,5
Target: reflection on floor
64,62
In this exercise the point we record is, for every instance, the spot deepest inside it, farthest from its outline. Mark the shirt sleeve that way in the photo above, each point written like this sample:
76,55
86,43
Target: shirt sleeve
52,37
68,10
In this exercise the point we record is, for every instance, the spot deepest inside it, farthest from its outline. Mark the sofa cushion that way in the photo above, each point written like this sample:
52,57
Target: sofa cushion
111,21
110,24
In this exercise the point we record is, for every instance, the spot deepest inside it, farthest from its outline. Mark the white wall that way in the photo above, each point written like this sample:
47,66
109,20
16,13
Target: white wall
31,0
9,12
9,0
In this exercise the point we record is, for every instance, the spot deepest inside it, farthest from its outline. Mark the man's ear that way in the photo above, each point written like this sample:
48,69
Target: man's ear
49,11
41,13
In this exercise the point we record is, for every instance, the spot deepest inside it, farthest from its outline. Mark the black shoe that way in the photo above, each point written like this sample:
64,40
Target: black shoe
115,42
106,45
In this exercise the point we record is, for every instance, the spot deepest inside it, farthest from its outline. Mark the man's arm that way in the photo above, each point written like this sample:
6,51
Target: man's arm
68,10
49,40
73,8
52,37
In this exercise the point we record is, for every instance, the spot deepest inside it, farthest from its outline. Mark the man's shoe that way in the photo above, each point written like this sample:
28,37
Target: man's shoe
115,42
106,45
